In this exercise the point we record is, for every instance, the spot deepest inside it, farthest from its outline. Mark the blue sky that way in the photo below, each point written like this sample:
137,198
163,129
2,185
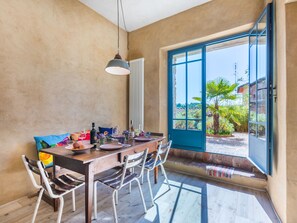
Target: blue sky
219,63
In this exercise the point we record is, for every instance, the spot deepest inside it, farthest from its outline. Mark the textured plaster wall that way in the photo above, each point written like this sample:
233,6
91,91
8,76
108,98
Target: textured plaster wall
277,185
208,19
52,79
212,20
291,56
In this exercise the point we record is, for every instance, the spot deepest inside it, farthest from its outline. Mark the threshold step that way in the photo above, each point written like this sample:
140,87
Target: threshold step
239,177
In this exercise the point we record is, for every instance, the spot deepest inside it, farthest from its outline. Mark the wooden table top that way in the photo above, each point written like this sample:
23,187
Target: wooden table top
93,154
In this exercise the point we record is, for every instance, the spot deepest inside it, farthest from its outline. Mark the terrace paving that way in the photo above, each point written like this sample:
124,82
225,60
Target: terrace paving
237,145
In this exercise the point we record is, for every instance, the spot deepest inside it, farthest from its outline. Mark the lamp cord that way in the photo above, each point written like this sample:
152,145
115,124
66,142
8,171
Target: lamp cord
124,21
118,20
123,15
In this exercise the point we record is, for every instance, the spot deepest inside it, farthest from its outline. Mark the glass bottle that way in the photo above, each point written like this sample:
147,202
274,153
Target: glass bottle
93,137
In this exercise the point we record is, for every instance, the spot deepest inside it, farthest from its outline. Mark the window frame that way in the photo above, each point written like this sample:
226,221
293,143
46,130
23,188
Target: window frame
192,47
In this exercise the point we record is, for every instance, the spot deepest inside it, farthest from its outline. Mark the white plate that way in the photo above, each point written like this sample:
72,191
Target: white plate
111,146
142,139
86,147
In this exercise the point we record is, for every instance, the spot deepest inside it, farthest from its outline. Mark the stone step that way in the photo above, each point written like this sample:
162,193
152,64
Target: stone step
195,168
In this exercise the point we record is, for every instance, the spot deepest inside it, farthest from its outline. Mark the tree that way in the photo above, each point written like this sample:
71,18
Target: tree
218,91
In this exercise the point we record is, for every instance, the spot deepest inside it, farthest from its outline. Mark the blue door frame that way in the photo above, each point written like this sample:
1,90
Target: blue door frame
261,150
196,140
187,139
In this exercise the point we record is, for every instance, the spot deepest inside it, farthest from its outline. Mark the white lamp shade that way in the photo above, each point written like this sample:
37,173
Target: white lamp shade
118,67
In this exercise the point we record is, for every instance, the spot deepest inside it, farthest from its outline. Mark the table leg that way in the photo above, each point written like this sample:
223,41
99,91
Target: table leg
54,167
89,180
156,172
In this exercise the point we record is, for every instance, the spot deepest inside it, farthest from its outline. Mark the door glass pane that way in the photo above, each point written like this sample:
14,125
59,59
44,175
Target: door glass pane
260,65
262,132
195,90
179,58
262,24
179,91
253,35
195,124
261,79
179,124
253,129
253,85
194,55
262,56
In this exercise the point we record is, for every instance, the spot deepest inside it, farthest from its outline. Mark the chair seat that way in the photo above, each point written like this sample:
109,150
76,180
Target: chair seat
64,183
113,180
149,164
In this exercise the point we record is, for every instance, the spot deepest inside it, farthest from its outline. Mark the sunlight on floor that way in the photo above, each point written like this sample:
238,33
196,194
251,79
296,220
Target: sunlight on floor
184,204
203,202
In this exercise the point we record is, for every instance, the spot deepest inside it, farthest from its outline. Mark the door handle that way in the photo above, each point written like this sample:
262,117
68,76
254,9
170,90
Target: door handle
274,93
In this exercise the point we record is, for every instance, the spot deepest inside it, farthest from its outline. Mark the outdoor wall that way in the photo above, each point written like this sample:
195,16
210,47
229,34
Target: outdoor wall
52,79
197,24
291,56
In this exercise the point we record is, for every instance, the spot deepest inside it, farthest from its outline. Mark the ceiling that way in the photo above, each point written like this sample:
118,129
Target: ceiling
140,13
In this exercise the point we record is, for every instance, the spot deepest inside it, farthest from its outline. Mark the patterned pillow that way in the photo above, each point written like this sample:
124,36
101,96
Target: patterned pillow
109,130
48,142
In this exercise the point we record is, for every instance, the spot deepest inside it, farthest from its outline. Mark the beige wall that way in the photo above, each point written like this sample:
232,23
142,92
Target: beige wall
291,56
277,182
150,41
52,79
283,183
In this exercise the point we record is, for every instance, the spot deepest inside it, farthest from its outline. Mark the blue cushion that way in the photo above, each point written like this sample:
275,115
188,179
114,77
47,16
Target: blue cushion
109,130
47,142
49,139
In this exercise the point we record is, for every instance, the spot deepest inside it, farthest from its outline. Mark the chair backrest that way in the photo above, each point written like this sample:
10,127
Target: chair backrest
163,149
32,167
37,167
132,161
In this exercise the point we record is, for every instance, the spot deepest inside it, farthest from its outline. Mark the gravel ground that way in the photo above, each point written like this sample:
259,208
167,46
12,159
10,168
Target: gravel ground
236,145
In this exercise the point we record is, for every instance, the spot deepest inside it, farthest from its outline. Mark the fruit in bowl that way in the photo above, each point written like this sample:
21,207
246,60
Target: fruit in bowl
78,145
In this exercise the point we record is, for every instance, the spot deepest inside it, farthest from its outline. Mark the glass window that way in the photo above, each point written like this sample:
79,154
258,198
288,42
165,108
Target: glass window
179,91
179,124
194,55
194,90
179,58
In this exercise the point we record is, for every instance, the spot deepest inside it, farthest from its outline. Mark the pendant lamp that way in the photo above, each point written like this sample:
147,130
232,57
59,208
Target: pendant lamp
118,66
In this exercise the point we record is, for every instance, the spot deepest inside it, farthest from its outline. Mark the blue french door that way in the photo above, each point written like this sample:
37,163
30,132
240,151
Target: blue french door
186,98
261,92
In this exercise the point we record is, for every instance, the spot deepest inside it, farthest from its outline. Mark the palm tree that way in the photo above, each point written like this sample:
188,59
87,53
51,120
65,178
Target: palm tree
218,91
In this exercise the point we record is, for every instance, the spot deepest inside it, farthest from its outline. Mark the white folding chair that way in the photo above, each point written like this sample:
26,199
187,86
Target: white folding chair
155,161
56,187
122,177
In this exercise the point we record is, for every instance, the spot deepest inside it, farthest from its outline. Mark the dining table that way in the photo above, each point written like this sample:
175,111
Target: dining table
95,161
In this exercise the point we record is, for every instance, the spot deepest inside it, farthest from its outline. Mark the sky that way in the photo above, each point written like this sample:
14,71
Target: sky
219,63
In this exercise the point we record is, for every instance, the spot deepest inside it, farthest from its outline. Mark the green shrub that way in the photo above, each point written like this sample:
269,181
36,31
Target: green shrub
225,128
240,122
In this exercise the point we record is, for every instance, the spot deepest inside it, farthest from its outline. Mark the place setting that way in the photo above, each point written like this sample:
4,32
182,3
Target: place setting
79,147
